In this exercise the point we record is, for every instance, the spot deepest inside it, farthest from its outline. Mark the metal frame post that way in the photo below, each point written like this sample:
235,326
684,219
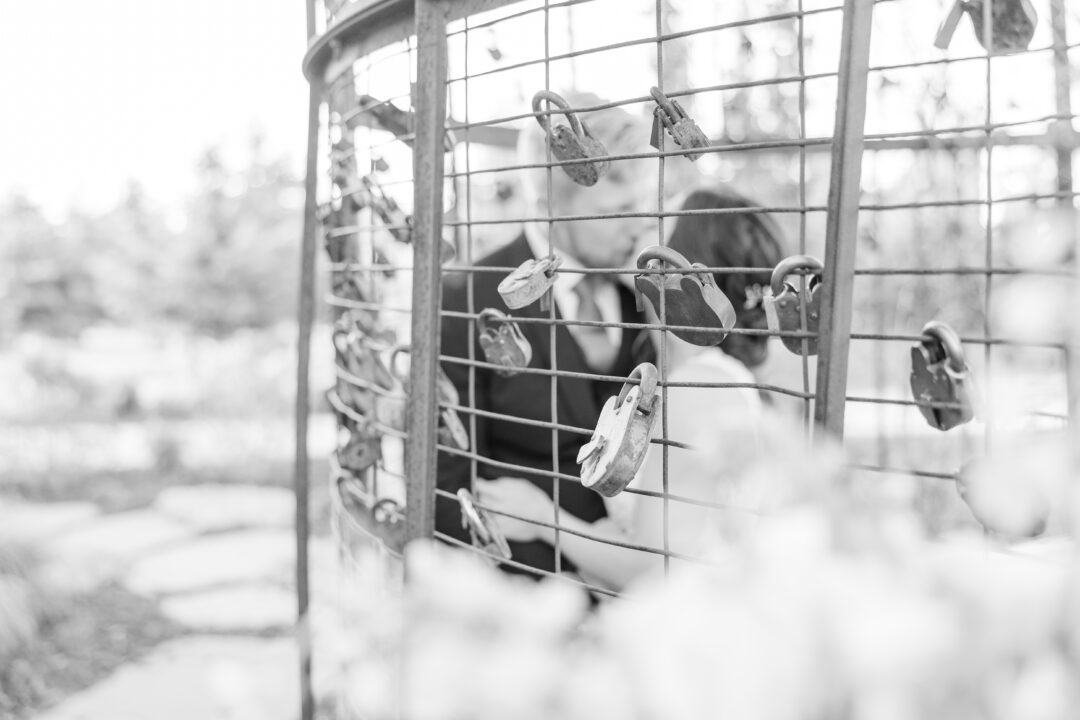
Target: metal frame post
842,222
428,162
305,320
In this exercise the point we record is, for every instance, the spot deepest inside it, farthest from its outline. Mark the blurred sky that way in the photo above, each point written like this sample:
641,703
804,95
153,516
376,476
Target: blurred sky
97,93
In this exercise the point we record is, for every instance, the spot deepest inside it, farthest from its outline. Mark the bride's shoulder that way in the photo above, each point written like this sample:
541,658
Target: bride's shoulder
711,365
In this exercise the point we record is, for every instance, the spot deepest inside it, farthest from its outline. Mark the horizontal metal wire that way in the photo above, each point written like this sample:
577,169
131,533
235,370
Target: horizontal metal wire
636,326
619,379
936,404
965,270
652,39
1030,197
753,145
905,471
563,528
1055,272
1011,342
563,477
345,230
521,566
340,406
340,302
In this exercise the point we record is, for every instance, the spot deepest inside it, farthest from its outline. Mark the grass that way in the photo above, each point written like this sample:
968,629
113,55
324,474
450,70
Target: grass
80,642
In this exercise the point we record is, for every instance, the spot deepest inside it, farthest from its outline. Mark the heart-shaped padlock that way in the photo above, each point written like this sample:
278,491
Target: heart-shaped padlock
530,282
940,378
683,130
573,142
502,341
618,445
691,299
783,309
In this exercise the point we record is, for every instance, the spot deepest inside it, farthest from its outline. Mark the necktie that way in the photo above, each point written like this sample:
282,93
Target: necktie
598,349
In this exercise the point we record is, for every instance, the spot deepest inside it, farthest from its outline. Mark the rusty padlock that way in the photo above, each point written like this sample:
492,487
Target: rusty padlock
502,341
362,450
939,374
451,430
572,142
683,130
530,282
1012,24
690,298
482,529
783,309
618,445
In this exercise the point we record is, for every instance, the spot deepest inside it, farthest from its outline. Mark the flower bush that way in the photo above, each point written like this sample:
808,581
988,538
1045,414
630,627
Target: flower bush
835,604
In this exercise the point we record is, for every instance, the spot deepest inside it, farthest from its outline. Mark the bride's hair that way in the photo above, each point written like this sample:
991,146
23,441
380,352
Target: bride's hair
737,235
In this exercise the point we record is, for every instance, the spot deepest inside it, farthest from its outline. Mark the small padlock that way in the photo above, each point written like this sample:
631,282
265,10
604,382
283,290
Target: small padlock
618,445
1012,24
690,298
572,142
452,431
502,342
361,451
530,282
683,130
783,309
940,379
484,532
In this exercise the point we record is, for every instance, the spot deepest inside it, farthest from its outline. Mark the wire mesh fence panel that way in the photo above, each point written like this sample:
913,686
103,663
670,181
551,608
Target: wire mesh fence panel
652,238
967,220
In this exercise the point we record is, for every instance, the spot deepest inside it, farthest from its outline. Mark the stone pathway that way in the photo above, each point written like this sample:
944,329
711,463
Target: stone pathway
218,559
208,678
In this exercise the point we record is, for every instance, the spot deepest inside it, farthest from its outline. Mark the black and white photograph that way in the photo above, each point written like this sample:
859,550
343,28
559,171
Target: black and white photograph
539,360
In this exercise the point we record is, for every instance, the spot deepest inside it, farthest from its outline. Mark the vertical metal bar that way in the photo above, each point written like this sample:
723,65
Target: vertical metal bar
843,216
665,479
1063,100
428,159
553,339
1065,138
987,33
305,320
801,39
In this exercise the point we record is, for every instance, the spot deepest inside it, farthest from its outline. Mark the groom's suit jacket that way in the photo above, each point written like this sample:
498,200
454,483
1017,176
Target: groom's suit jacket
528,396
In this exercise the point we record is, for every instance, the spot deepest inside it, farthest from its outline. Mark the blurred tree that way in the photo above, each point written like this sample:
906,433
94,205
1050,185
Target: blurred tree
45,283
128,250
237,267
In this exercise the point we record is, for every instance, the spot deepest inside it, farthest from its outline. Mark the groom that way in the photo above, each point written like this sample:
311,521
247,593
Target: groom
516,446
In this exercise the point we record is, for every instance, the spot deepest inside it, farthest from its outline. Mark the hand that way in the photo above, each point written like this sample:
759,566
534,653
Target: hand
521,498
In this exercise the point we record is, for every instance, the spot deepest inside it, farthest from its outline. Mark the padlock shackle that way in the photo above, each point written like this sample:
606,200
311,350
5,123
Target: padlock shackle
645,374
943,335
487,315
666,104
790,264
559,102
664,254
394,354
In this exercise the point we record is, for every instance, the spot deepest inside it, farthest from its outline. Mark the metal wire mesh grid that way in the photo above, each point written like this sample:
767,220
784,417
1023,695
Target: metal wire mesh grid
543,52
